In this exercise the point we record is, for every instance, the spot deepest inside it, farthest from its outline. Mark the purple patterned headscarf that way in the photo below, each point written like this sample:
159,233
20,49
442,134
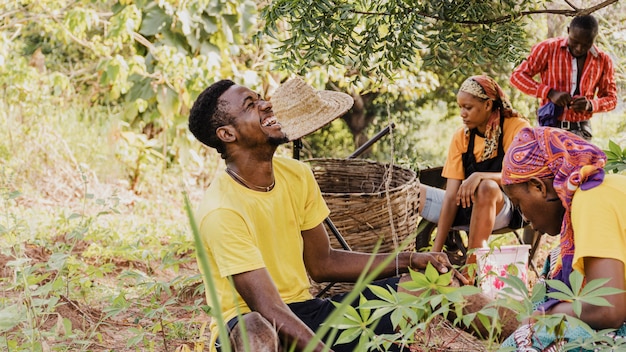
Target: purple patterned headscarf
546,152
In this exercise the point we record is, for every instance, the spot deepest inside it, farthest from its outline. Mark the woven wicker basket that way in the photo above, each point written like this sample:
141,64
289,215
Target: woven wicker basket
360,194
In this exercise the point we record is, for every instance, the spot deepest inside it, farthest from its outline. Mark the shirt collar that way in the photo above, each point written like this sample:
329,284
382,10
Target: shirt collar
593,50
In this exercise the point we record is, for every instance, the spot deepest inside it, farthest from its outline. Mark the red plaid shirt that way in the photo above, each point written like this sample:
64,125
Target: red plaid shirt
552,60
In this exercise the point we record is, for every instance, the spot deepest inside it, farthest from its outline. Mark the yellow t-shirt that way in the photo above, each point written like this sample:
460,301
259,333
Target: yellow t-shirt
453,168
599,221
244,230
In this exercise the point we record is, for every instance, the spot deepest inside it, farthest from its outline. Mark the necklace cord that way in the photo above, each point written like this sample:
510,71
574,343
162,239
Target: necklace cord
247,184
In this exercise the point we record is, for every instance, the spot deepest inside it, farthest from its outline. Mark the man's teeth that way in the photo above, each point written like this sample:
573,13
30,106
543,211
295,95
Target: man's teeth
269,121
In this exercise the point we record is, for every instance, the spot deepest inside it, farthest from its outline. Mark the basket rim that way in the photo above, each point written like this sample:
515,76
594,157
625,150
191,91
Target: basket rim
412,180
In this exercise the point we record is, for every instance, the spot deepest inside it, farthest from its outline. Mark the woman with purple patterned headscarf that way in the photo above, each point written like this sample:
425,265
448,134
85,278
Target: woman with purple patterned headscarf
558,182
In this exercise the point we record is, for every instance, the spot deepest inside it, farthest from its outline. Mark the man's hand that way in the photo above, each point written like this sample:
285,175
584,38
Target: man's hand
560,98
580,104
439,261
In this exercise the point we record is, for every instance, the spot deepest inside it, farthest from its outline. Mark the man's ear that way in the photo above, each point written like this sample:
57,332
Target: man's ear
226,133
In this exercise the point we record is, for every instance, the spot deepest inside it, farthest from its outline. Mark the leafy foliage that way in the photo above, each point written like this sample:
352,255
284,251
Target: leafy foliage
149,59
374,38
616,158
590,293
410,314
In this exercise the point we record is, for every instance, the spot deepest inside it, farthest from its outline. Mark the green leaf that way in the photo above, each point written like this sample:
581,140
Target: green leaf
593,286
436,300
604,291
67,326
57,261
382,293
431,273
365,313
560,296
560,286
154,20
11,316
137,338
175,39
348,335
597,301
615,148
247,14
209,23
444,279
418,282
141,89
185,21
577,307
467,319
167,101
380,312
576,280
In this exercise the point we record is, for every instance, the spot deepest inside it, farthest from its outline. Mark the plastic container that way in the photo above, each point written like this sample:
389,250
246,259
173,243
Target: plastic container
497,263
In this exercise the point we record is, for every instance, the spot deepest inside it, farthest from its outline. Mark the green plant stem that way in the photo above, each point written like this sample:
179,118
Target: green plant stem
163,332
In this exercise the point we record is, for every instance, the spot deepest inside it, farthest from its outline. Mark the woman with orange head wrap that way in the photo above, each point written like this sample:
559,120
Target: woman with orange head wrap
473,199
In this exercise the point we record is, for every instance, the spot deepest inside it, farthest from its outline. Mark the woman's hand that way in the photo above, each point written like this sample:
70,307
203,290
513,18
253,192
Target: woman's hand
465,195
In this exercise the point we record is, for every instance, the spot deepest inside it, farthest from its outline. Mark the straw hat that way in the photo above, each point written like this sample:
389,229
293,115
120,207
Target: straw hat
301,109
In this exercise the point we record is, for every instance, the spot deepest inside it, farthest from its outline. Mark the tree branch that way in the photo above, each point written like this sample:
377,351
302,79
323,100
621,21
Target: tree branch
145,42
597,7
574,12
570,4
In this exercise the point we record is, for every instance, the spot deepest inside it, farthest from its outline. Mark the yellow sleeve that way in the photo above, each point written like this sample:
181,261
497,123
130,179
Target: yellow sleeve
599,221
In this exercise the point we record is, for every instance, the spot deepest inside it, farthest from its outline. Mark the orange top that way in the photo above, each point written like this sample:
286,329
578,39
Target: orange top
453,167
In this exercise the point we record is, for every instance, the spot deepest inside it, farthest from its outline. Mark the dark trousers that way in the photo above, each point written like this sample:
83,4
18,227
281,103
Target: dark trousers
315,311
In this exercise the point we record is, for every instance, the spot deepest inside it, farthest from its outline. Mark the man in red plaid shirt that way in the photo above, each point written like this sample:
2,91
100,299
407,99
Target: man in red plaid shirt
575,75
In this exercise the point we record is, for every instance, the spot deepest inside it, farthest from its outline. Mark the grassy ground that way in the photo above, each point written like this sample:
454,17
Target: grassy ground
87,262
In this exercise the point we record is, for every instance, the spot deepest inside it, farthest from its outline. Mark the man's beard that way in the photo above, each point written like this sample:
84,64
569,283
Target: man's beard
276,141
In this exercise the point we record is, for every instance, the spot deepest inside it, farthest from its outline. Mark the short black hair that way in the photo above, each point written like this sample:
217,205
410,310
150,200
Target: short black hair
206,115
587,23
